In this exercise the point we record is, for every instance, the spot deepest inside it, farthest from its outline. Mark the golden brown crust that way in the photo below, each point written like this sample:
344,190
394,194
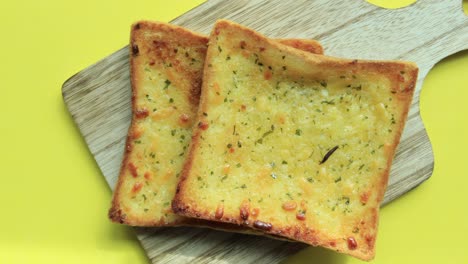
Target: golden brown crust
402,78
157,48
311,45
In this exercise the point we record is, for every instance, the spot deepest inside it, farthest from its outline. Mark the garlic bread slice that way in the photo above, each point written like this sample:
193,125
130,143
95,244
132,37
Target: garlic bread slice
294,144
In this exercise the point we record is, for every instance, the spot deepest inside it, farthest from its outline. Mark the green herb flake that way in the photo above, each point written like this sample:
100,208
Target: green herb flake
238,165
167,83
298,132
345,199
331,102
284,162
171,100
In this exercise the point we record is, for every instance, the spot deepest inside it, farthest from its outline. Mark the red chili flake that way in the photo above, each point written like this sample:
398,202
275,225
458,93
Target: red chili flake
148,175
137,187
219,211
244,212
151,63
352,244
364,197
370,240
141,113
184,118
262,225
289,205
203,125
133,169
136,133
231,150
300,216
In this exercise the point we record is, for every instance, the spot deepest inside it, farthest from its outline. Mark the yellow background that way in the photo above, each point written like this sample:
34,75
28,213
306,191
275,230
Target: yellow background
54,200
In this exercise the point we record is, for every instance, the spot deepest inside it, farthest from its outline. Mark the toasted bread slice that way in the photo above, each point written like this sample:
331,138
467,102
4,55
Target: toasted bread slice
166,73
294,144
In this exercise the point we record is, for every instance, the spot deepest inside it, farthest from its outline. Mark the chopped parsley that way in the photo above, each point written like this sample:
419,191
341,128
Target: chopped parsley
167,83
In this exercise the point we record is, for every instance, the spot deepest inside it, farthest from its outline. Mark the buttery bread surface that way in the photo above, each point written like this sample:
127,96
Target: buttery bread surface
294,144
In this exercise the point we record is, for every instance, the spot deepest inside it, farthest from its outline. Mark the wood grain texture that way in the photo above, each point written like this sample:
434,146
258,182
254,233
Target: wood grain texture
98,98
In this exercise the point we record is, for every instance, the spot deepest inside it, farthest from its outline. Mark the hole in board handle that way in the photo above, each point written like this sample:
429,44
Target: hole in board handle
392,4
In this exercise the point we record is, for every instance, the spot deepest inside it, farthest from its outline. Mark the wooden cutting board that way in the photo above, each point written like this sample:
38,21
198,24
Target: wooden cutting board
98,98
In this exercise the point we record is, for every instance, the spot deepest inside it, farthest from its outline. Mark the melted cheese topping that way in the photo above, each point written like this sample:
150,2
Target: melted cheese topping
304,146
